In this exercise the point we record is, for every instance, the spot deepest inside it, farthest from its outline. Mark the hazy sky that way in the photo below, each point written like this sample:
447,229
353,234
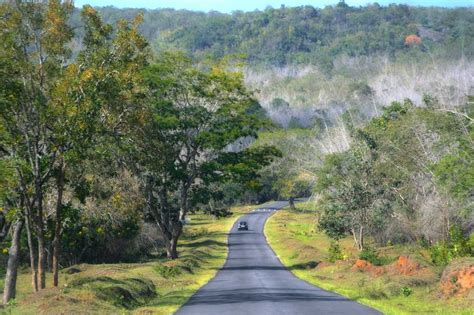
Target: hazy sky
249,5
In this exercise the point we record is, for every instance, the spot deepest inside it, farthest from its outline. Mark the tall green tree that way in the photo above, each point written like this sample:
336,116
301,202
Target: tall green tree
34,37
193,117
56,112
92,100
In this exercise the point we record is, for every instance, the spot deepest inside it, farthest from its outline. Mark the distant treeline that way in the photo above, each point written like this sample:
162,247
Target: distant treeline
306,34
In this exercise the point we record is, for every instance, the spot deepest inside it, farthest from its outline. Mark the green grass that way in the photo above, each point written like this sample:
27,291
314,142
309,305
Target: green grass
300,246
154,287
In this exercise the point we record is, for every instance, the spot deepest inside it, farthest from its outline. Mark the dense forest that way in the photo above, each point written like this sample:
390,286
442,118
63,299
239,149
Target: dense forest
117,124
306,35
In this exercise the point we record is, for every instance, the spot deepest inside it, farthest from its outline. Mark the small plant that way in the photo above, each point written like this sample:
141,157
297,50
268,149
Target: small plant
406,291
370,254
440,254
167,272
335,252
458,246
12,302
424,243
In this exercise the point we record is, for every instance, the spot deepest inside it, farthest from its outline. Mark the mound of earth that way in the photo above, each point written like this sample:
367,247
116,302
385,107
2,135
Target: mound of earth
366,266
403,266
458,277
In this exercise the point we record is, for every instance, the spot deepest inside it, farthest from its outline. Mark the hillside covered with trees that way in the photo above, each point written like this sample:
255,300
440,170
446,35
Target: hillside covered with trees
307,35
119,125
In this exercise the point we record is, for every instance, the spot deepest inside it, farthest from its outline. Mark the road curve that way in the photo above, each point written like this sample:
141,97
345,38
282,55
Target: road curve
253,281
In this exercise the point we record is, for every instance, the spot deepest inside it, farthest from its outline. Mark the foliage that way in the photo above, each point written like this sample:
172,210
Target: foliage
335,252
388,172
354,201
406,291
458,246
184,146
370,254
306,34
167,271
290,176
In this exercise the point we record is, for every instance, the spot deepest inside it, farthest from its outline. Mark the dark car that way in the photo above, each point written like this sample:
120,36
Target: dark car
243,226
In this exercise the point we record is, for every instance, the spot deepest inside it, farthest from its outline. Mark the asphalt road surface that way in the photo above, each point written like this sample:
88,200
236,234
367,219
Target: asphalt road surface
253,281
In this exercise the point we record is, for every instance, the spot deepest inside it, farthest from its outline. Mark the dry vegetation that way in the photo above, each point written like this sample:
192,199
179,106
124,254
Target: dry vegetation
362,84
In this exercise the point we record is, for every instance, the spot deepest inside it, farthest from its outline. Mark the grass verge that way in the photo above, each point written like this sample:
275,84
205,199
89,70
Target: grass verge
154,287
294,237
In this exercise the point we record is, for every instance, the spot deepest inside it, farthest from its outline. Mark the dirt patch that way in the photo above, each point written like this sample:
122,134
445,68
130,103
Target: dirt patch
405,266
458,278
365,266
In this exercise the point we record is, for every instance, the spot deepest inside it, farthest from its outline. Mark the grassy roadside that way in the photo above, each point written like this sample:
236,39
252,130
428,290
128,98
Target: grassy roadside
154,287
294,237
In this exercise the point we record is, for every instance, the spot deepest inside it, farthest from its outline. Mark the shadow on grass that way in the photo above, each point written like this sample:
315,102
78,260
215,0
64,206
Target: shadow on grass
173,298
203,243
199,254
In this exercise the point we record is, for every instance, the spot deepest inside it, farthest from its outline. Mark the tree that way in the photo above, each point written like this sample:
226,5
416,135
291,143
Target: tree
55,112
183,144
91,100
353,199
34,41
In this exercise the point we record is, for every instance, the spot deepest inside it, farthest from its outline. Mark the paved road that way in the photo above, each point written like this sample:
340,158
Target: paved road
253,281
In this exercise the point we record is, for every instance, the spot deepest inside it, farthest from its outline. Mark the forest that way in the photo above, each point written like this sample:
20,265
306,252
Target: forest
117,125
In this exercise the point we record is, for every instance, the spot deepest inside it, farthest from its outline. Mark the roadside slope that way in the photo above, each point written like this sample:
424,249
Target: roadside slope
297,242
158,286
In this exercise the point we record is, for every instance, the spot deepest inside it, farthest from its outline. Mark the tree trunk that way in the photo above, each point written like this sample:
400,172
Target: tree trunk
292,203
356,242
171,247
13,261
41,260
40,236
57,230
171,240
361,238
34,275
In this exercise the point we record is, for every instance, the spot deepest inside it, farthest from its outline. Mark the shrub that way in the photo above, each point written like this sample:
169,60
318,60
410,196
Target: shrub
369,254
167,272
440,254
458,246
406,291
335,252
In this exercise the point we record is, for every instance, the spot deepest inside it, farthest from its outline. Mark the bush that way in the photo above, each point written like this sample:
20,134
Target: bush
335,252
440,254
406,291
458,246
370,254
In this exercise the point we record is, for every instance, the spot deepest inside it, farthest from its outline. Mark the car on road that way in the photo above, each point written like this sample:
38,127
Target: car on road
243,226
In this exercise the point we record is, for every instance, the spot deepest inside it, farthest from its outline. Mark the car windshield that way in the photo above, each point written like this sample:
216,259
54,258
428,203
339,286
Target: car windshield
243,223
